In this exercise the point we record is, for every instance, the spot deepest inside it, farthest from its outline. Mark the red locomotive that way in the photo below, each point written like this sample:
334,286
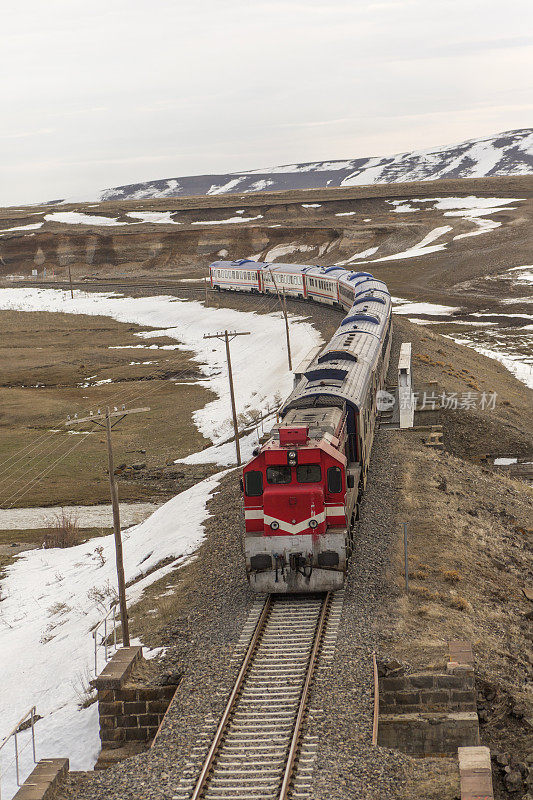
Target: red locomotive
302,488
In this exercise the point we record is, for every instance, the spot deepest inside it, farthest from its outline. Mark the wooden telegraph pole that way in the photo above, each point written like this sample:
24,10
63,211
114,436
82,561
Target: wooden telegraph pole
283,304
206,296
70,281
226,336
97,420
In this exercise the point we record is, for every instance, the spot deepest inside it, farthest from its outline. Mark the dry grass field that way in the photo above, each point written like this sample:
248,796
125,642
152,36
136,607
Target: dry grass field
47,360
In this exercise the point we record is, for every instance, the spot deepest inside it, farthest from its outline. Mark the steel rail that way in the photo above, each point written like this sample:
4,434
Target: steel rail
204,774
302,707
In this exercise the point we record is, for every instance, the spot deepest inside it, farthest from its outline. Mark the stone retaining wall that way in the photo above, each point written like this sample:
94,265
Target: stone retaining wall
425,692
128,713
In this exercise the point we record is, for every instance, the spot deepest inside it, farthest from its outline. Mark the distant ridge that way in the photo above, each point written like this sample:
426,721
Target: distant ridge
509,153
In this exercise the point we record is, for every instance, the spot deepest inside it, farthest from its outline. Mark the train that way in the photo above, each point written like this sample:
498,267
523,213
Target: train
303,486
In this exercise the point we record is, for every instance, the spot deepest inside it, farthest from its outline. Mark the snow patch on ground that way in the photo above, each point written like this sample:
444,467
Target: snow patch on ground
49,607
524,275
406,307
77,218
31,227
311,205
523,370
286,249
362,254
225,187
420,249
156,217
226,221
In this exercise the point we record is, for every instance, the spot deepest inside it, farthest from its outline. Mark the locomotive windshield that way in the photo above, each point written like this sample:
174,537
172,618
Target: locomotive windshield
308,473
279,474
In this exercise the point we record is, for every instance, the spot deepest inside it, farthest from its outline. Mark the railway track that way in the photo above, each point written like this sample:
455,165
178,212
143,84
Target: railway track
110,284
255,751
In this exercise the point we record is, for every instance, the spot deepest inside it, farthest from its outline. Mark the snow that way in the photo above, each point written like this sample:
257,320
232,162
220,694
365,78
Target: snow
224,454
401,306
311,205
48,610
258,360
286,249
258,186
470,159
13,519
368,219
346,213
157,217
420,249
362,254
524,275
317,166
503,462
404,208
224,221
225,187
31,227
472,203
76,218
471,208
523,370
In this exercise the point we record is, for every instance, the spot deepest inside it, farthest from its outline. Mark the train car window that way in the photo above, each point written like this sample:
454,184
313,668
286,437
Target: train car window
280,474
334,480
308,473
253,483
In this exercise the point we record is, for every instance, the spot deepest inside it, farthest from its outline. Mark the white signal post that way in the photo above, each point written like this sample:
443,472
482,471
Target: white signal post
98,419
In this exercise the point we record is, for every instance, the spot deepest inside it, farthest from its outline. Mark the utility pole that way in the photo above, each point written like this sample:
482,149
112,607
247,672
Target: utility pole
406,558
226,336
283,304
70,281
206,297
97,420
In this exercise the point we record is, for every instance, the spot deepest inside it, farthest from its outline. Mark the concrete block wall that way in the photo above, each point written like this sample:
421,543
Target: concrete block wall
425,692
128,713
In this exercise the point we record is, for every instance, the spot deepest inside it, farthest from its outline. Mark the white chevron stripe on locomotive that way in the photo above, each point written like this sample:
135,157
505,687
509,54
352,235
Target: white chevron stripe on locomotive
299,527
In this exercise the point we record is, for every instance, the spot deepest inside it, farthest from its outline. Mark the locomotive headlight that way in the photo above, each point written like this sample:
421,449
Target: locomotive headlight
313,523
292,458
274,525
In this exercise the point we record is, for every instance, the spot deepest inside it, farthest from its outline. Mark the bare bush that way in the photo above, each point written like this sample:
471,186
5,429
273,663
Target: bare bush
86,694
64,531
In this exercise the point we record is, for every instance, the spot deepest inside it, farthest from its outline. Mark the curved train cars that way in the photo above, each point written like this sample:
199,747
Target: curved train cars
303,485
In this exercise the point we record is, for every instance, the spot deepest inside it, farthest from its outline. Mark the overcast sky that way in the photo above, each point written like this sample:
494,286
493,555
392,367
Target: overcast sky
102,93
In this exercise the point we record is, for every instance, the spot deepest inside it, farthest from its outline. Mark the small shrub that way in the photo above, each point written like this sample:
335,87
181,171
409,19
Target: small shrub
460,603
85,693
64,531
423,591
451,575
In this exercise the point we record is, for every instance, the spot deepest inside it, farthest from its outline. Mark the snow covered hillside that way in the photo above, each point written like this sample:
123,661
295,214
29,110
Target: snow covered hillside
509,153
